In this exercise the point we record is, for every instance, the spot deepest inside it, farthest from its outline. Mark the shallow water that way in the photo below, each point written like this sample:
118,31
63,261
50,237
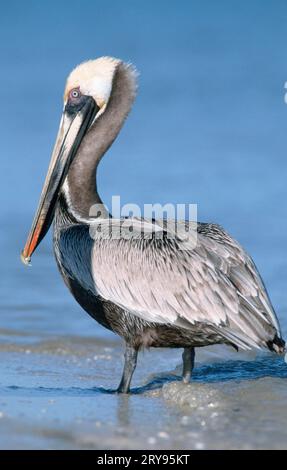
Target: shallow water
209,127
60,393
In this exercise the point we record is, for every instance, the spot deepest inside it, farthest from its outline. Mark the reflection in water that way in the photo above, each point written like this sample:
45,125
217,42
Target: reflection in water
123,411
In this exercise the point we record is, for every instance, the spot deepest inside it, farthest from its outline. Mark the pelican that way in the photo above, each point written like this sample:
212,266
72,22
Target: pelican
147,290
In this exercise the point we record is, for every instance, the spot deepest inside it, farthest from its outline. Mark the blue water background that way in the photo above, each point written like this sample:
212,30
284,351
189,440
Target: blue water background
208,127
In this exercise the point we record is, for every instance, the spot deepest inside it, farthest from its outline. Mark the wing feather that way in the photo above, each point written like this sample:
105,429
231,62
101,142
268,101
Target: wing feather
216,282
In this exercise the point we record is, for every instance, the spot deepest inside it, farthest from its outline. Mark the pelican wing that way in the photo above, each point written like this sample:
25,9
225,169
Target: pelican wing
238,266
159,279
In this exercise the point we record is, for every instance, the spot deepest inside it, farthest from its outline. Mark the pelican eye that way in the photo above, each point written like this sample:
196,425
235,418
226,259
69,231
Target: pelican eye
75,94
75,101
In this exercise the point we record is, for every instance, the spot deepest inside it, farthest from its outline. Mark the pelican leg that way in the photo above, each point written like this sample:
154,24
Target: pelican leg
188,364
131,355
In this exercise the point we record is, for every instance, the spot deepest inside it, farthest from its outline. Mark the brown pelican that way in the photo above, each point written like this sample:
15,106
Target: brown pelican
149,291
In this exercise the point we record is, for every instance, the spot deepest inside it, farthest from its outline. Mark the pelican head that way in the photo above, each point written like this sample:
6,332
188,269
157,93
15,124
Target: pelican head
86,97
93,78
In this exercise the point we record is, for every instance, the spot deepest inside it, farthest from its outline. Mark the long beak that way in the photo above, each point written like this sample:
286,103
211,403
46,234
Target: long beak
73,127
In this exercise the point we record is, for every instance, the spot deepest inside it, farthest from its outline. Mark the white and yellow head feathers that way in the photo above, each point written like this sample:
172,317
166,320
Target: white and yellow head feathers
95,78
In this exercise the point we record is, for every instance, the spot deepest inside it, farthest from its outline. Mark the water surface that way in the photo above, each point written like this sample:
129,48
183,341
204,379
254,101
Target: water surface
208,127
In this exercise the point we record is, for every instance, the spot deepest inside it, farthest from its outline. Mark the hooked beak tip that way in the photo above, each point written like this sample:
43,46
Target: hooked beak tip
25,259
